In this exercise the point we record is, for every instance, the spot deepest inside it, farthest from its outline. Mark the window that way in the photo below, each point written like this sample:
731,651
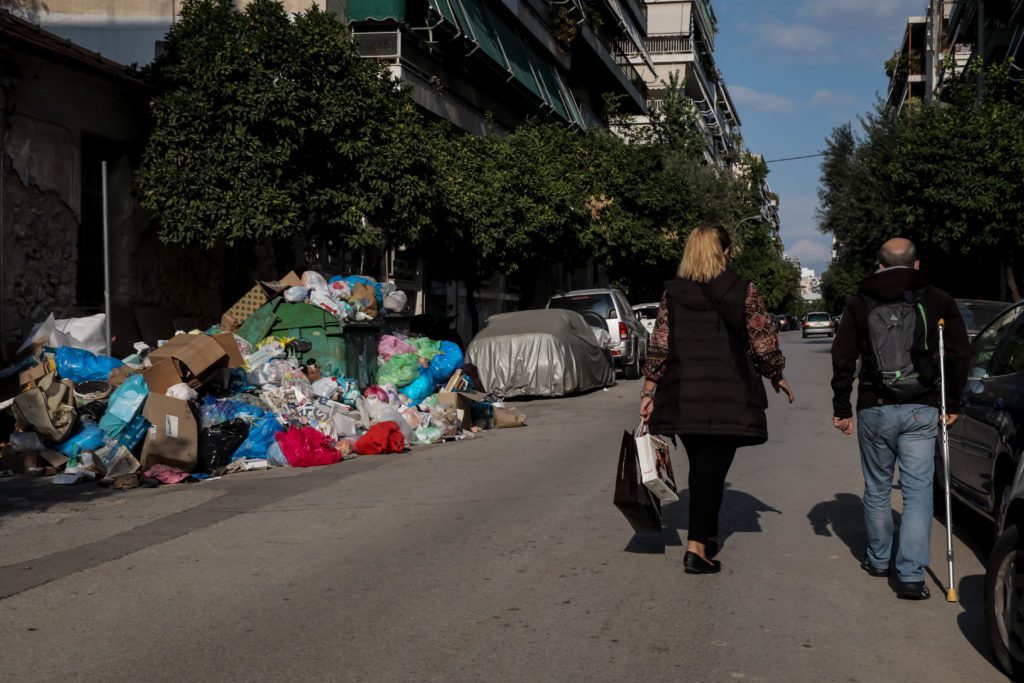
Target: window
985,345
582,303
818,318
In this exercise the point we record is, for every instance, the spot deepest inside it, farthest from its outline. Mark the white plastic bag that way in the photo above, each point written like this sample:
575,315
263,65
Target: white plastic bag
324,300
182,392
396,301
314,281
296,294
325,387
384,412
82,333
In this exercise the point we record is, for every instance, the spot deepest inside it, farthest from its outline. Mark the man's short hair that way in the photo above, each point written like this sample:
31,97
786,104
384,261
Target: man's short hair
892,259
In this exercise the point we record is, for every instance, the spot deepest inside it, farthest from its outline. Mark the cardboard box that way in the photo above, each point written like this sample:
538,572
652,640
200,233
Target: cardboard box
508,416
173,437
23,461
260,294
463,403
185,358
227,342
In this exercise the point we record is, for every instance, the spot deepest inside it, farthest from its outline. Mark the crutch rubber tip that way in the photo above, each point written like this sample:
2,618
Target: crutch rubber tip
951,595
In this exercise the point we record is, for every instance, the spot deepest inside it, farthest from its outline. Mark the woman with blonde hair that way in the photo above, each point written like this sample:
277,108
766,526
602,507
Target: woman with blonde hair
712,343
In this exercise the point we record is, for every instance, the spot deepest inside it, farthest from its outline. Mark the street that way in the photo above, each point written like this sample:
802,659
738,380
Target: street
497,558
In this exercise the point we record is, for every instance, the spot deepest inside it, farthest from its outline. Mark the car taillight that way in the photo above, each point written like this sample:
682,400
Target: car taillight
623,331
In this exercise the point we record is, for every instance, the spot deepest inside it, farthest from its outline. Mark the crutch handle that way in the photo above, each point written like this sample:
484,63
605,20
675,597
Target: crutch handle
942,322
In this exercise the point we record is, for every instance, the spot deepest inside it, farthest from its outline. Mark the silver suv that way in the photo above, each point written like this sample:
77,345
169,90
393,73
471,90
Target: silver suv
608,308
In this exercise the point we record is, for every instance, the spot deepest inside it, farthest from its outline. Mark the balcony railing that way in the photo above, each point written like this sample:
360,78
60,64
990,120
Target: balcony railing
634,76
385,46
658,45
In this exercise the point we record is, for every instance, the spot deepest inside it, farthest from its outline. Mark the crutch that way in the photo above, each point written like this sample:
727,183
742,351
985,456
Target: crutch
951,593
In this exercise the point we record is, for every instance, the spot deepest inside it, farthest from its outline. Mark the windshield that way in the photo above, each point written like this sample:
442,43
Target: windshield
595,303
646,312
977,315
818,318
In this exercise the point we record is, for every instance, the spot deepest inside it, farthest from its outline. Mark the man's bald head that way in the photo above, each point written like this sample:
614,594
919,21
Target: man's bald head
898,252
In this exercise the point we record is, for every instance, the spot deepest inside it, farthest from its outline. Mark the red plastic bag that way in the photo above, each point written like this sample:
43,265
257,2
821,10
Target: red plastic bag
383,437
306,447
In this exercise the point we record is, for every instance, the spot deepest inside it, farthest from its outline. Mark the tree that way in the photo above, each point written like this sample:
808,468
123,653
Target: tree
269,126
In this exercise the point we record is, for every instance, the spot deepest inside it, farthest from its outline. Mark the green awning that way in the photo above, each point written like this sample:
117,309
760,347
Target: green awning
375,10
481,22
443,9
518,55
549,82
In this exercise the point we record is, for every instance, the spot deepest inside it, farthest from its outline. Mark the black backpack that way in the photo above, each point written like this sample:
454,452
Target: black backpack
900,366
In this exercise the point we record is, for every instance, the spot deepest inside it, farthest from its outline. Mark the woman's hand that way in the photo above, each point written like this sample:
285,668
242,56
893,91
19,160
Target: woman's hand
783,386
646,408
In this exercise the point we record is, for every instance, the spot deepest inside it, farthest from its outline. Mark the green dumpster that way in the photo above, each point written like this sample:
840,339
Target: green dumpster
341,349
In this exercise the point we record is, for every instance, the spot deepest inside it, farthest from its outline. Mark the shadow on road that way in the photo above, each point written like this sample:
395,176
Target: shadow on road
972,620
842,517
741,513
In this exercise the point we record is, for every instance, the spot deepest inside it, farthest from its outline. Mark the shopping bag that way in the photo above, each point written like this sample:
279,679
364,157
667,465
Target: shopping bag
636,502
656,473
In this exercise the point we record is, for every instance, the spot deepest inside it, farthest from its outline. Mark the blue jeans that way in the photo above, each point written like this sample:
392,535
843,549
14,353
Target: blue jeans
901,435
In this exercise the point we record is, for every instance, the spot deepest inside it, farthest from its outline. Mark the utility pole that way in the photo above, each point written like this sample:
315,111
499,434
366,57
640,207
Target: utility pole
980,49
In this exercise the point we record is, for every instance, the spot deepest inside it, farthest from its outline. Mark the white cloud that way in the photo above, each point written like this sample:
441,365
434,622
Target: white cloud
824,97
794,37
760,101
811,253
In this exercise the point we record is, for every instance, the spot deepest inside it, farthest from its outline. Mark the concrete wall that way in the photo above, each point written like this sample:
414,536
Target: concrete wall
47,111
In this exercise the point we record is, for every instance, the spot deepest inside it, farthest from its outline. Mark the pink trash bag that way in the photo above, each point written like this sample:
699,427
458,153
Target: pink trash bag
393,346
307,447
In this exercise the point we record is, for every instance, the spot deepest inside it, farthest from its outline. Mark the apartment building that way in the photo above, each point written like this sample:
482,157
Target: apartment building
681,41
474,62
939,43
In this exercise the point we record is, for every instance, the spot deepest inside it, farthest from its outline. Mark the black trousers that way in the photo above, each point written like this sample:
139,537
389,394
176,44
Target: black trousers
710,458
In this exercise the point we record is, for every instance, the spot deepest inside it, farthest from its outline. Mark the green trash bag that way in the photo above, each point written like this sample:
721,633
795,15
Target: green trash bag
401,370
426,348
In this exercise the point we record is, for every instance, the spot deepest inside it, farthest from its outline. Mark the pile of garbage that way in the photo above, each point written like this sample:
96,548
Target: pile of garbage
208,403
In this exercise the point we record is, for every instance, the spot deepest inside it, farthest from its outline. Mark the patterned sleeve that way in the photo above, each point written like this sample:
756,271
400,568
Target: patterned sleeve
657,349
764,337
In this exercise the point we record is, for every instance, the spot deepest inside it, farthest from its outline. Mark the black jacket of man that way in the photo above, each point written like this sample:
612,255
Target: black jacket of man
852,343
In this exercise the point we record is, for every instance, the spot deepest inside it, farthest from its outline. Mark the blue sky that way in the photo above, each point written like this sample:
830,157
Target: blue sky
796,69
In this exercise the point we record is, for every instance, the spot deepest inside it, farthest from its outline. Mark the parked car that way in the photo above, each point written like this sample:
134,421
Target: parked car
818,323
985,443
609,307
540,353
782,323
647,314
1004,587
978,313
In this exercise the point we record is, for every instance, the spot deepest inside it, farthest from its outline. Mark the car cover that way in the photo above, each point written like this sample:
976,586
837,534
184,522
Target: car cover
549,352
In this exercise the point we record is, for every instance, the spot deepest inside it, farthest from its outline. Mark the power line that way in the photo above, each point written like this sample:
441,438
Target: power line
806,156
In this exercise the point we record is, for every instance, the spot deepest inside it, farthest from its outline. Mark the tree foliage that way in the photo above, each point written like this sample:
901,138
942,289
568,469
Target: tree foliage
266,125
946,174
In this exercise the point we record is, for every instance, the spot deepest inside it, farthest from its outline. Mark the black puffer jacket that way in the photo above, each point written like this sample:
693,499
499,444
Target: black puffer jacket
852,342
710,385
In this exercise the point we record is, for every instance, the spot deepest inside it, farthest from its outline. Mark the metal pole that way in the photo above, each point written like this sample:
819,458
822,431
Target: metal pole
981,52
951,592
106,253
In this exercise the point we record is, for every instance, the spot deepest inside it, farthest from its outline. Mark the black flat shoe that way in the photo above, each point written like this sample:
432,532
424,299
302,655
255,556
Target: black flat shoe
912,591
872,569
695,564
711,548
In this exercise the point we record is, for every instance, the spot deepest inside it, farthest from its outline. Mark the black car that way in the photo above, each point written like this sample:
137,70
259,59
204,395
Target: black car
1004,587
985,443
978,313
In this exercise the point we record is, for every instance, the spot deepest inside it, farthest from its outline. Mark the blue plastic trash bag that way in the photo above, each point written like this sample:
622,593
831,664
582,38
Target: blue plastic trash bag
275,457
125,403
89,438
442,366
419,389
78,365
215,411
261,437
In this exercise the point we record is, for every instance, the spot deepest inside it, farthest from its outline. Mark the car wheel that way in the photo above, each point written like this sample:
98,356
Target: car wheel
1004,601
632,371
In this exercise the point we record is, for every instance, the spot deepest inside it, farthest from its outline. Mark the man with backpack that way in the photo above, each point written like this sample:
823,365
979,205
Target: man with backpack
891,326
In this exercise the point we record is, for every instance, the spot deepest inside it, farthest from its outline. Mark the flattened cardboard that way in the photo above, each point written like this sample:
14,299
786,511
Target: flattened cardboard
227,342
22,462
463,403
173,437
192,356
260,294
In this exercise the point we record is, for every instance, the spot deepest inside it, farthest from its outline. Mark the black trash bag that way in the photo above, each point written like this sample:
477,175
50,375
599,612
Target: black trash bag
218,443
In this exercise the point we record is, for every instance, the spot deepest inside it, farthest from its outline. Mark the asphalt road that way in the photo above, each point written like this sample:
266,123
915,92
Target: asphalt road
499,558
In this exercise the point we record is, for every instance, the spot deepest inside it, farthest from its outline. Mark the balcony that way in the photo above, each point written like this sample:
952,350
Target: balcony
659,45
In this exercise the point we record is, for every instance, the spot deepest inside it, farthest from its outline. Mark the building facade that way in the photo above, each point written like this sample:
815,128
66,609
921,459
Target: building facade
681,43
